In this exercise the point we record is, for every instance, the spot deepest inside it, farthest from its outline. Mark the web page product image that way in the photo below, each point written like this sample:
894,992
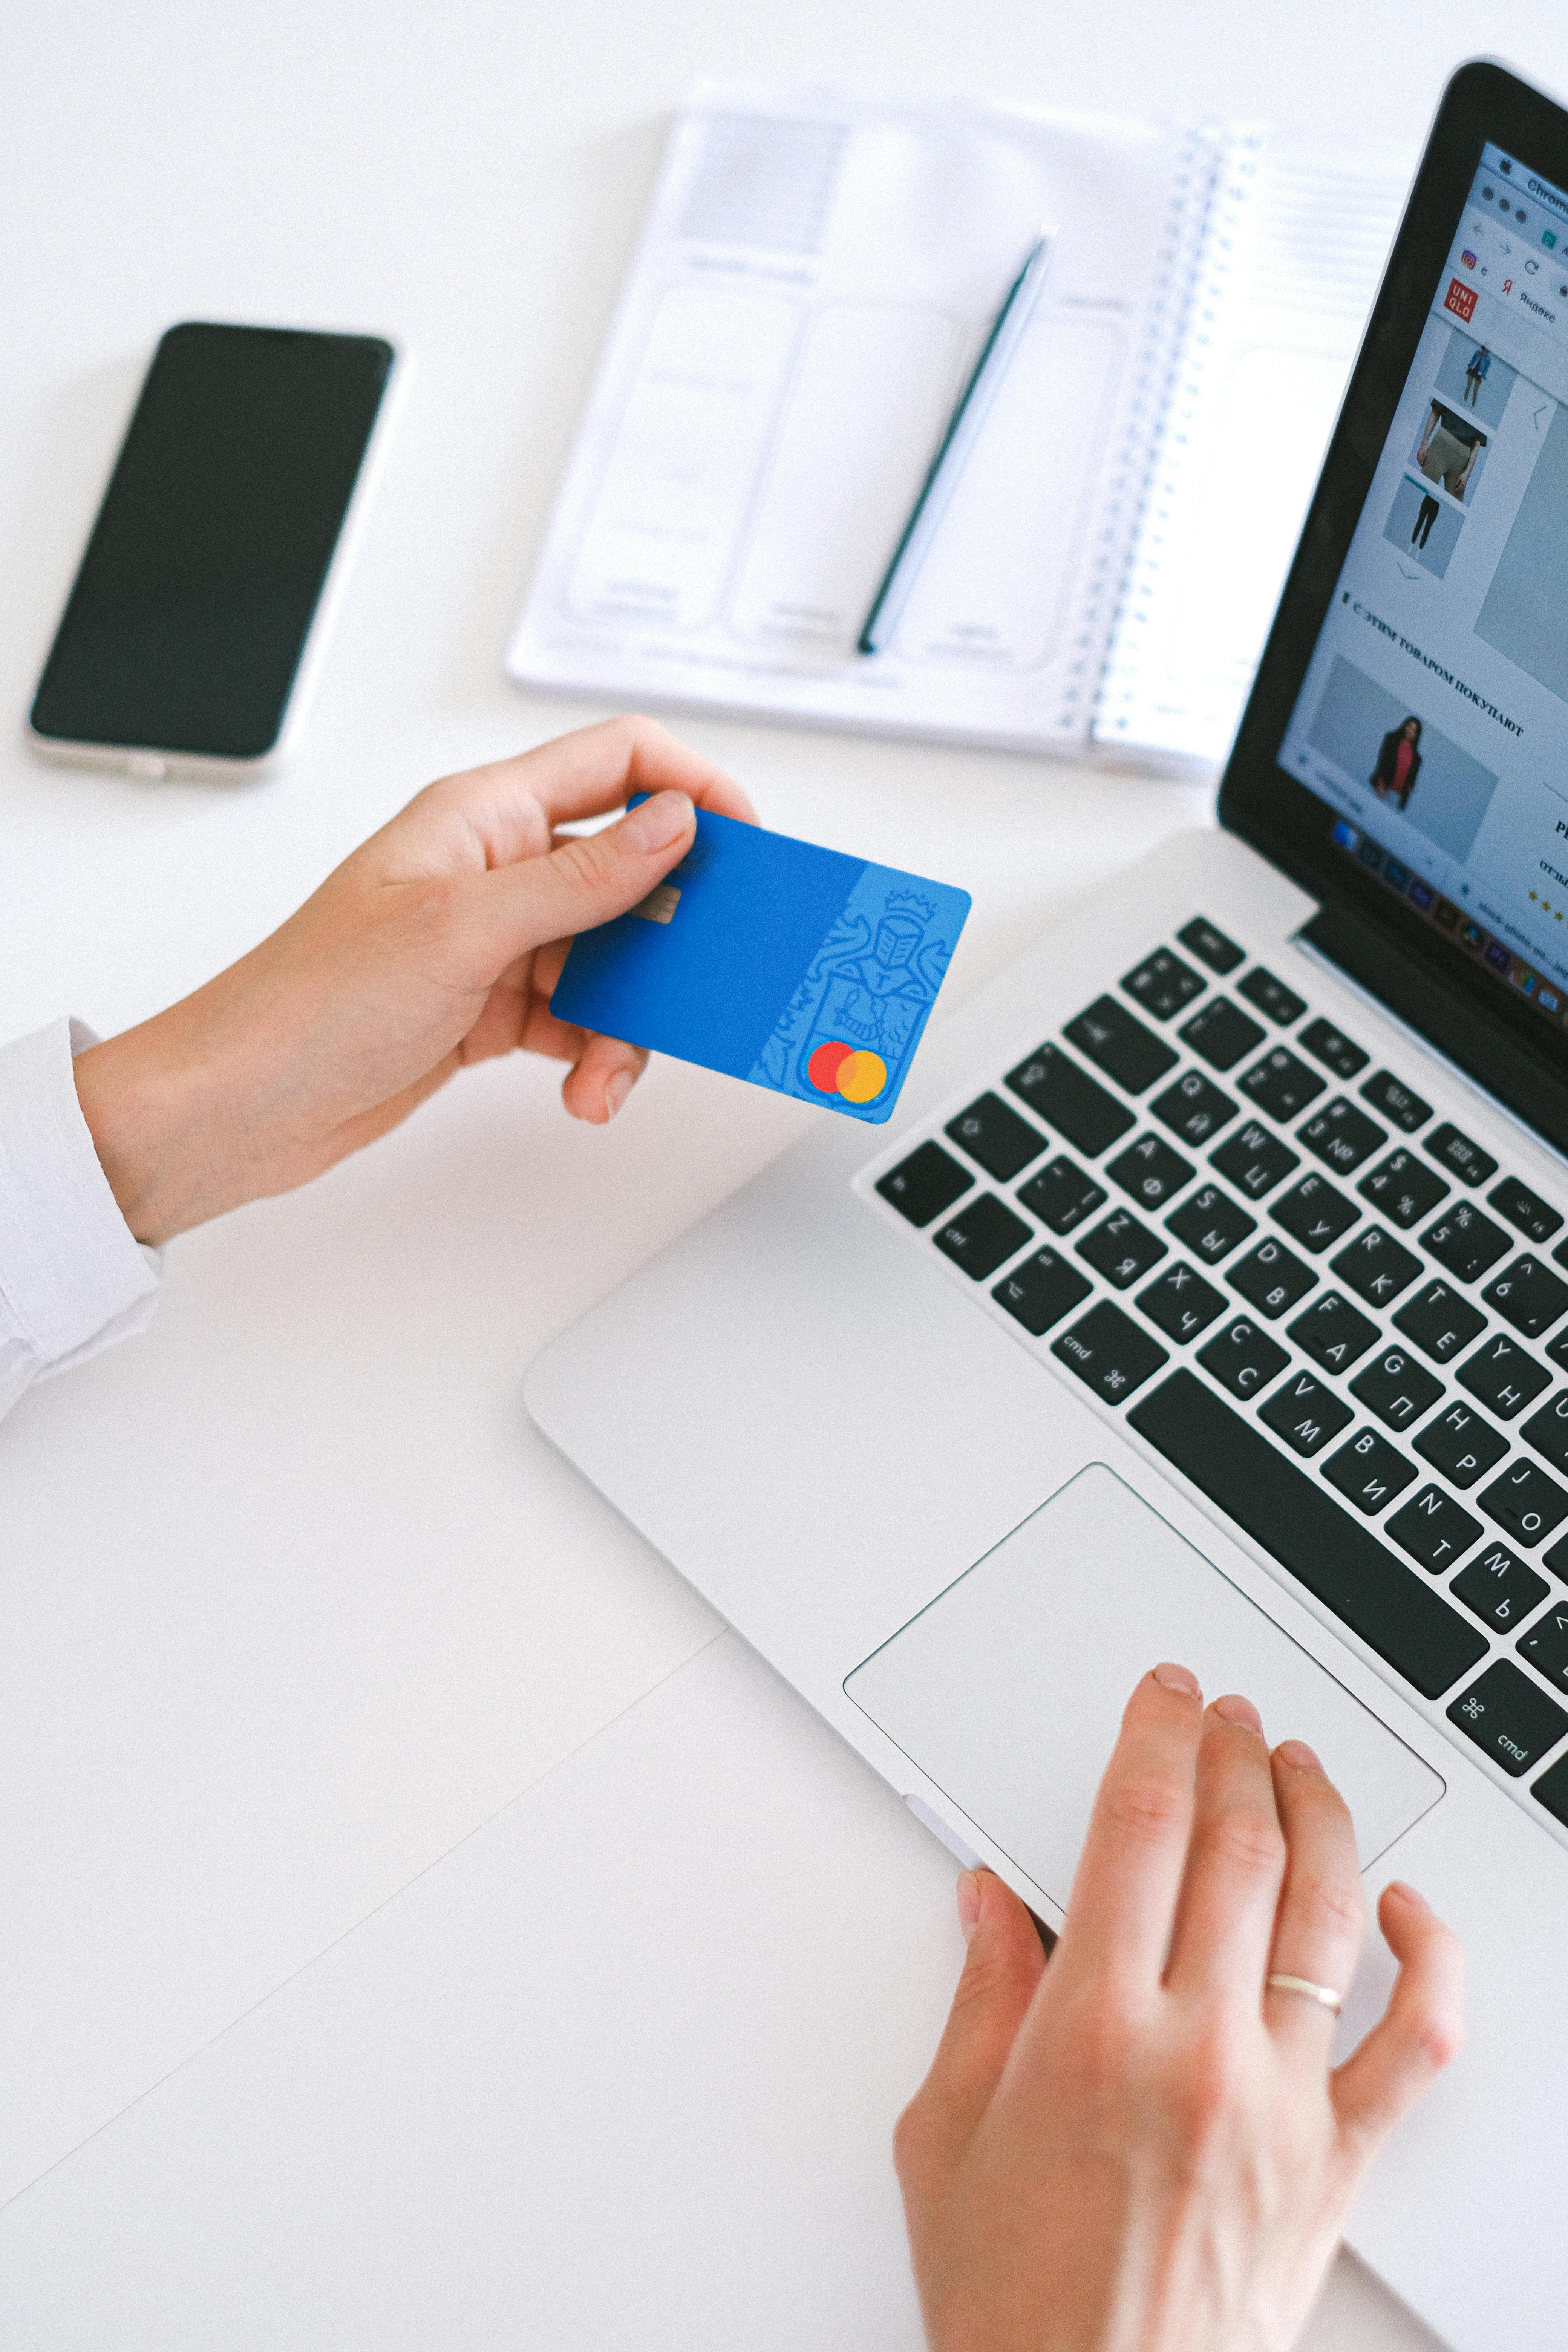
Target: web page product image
1432,714
1474,380
1451,449
1411,767
1419,523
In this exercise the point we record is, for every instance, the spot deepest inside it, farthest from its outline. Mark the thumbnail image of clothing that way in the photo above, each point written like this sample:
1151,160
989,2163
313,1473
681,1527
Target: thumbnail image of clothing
1476,370
1424,520
1398,765
1447,450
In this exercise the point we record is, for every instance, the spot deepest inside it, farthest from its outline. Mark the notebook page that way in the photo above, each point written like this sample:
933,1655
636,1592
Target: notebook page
816,278
1294,249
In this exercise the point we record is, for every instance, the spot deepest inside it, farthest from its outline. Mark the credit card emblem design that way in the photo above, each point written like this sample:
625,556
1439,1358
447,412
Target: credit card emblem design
857,1016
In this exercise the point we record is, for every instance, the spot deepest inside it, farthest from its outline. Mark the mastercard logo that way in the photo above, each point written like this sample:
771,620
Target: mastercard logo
836,1068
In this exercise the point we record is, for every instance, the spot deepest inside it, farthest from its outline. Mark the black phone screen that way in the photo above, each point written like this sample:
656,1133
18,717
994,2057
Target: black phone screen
189,615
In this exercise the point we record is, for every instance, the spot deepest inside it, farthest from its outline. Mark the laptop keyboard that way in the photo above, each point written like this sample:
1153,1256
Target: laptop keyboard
1330,1310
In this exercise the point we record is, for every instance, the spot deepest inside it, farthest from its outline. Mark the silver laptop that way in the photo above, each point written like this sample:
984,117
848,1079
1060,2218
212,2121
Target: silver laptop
1208,1297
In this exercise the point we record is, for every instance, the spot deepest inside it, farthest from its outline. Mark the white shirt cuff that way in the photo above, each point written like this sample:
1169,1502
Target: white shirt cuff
73,1278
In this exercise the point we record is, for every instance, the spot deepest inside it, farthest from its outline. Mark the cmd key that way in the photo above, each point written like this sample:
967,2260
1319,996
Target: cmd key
1109,1352
1509,1718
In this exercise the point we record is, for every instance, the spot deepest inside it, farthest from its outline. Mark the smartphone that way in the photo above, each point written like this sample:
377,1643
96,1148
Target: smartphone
202,601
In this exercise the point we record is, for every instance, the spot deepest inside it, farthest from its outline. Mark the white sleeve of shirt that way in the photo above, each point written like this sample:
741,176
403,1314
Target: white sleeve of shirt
73,1278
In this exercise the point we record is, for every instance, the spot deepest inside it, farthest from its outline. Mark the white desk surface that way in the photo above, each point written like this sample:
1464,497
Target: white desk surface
301,1625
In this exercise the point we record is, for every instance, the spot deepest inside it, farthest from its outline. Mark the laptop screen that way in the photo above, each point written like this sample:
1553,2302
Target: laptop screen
1432,721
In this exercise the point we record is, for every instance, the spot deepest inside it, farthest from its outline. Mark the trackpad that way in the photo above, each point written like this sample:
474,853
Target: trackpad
1008,1689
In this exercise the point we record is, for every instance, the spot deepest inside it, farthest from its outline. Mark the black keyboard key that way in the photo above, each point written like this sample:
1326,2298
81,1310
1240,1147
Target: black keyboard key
1313,1213
1193,1109
1121,1249
1342,1135
1333,1048
1132,1055
1433,1529
1181,1302
1281,1084
1500,1589
1377,1267
981,1235
1509,1719
1069,1099
1210,1224
1557,1350
1222,1032
1440,1321
1109,1352
1466,1242
1403,1188
1397,1388
1389,1095
1042,1290
1459,1155
1391,1609
1503,1376
1162,983
1370,1471
1271,996
1535,1218
1254,1160
1552,1790
1149,1170
1547,1432
1210,946
1243,1358
991,1133
925,1184
1529,1296
1333,1332
1546,1643
1462,1445
1305,1412
1272,1278
1556,1558
1525,1501
1061,1195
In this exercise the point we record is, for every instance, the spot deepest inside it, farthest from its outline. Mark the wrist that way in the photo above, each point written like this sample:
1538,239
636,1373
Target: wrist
148,1101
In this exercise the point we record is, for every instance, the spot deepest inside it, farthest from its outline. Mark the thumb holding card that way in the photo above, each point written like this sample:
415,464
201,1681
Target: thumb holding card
435,943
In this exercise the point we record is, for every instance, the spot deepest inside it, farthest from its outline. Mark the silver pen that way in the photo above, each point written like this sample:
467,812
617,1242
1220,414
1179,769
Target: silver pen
963,428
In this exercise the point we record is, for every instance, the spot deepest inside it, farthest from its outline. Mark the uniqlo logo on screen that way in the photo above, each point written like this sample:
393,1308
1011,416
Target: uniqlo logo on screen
1460,298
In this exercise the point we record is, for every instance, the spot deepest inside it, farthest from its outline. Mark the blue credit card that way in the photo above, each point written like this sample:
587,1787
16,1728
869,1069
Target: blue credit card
774,961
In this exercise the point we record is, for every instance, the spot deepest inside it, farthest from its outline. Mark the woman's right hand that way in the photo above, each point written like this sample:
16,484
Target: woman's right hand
1135,2144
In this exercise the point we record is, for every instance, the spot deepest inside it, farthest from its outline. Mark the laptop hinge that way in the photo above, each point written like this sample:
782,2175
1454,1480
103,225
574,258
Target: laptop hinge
1423,1001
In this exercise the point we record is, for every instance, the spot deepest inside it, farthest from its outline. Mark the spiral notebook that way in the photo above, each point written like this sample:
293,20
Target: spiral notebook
815,277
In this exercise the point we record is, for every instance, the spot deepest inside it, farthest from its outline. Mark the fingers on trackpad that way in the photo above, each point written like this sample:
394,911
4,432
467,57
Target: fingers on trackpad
1007,1691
